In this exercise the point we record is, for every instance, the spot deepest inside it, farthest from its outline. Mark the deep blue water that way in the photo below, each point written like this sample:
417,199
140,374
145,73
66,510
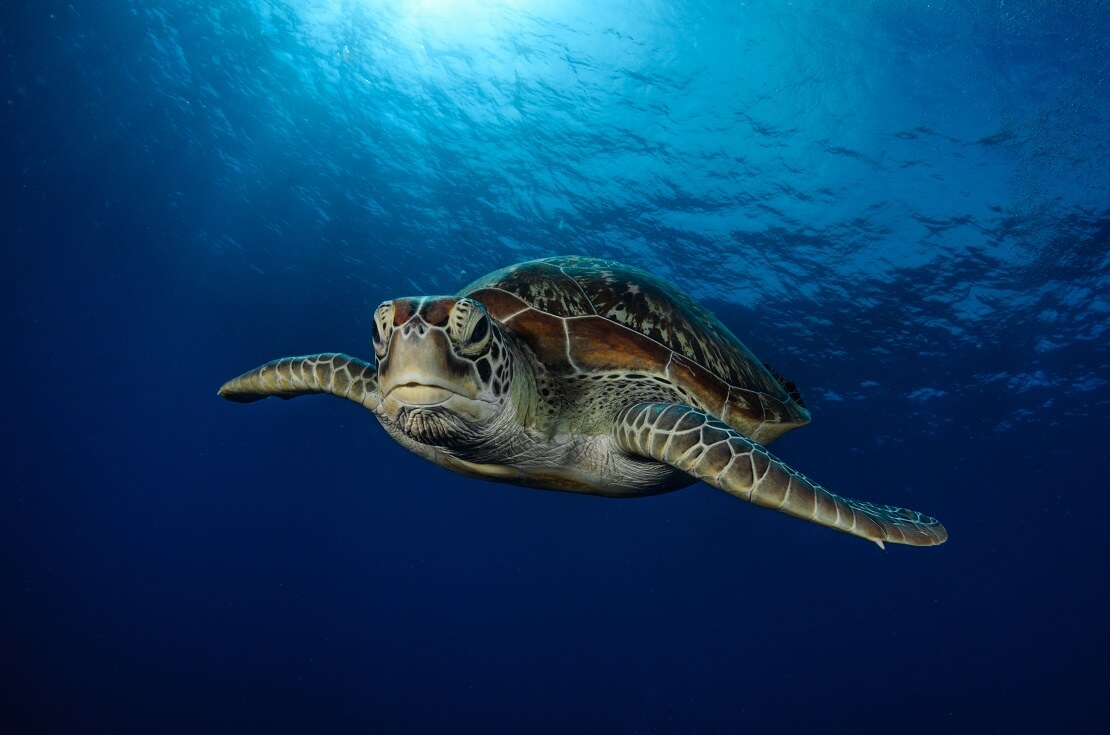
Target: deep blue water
905,207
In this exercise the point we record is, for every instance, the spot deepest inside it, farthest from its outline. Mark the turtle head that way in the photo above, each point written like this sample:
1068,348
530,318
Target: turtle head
443,368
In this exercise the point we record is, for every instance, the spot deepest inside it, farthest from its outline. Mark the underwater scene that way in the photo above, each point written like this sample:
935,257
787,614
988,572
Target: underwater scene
708,366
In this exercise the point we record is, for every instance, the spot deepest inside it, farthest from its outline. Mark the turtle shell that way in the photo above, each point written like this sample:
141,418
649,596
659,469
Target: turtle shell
583,316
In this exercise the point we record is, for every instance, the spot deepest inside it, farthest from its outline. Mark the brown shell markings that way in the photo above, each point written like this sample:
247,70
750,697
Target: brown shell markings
585,315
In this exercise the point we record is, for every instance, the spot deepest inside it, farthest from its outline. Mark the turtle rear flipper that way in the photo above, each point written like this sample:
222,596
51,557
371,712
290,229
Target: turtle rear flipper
700,445
330,372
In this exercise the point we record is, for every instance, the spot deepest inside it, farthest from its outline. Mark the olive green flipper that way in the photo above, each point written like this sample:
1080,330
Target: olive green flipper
331,372
705,448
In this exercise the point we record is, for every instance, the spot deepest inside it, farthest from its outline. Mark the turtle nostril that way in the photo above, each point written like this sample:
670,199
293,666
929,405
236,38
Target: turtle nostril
415,328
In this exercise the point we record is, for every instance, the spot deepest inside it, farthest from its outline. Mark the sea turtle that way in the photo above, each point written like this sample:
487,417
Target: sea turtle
583,375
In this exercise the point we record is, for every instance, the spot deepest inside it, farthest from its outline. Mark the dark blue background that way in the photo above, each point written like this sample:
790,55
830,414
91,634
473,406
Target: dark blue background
904,209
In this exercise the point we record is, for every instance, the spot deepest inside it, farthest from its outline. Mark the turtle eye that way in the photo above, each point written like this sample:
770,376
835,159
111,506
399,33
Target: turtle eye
481,330
470,328
477,342
383,326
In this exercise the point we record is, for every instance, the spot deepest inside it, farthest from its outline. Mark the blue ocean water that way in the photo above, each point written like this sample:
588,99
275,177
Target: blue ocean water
903,206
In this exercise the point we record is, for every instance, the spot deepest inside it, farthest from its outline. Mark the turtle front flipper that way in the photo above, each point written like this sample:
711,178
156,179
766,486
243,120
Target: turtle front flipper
331,372
703,447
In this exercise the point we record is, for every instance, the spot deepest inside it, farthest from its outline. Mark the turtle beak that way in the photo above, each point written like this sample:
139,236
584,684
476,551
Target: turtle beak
421,369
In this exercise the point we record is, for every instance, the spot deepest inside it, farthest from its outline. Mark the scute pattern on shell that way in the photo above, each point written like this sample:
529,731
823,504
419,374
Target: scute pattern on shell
573,286
539,284
640,301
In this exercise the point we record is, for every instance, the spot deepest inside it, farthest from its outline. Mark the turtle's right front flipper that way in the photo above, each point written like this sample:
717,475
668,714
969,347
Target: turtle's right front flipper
705,448
331,372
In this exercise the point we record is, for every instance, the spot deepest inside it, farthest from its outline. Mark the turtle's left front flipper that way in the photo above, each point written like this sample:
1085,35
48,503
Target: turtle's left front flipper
714,452
331,372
